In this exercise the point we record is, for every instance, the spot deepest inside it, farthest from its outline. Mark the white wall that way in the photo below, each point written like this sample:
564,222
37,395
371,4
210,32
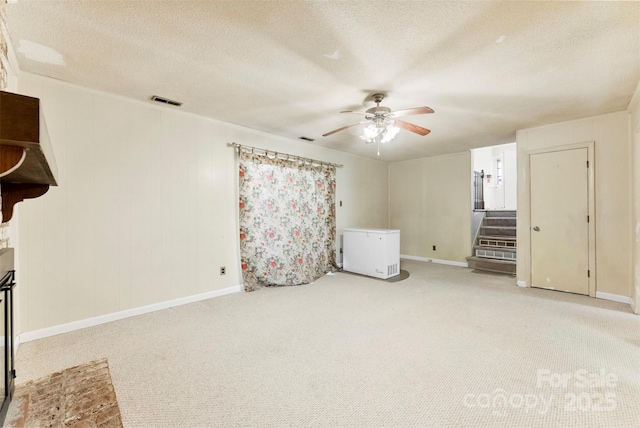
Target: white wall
145,210
612,192
430,202
634,110
510,159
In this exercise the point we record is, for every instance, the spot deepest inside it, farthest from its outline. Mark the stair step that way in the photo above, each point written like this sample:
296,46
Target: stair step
500,262
499,221
503,213
498,230
503,238
494,248
497,241
491,265
499,227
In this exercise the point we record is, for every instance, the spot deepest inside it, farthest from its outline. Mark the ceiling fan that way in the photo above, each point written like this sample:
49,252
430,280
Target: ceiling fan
383,124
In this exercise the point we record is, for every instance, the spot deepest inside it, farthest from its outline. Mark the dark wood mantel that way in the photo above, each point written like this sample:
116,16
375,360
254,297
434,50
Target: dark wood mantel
27,165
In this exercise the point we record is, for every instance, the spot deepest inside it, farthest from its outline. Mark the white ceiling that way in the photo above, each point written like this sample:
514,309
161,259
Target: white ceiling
289,67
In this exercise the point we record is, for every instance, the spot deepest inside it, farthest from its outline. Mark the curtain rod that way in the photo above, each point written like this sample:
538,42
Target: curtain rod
280,155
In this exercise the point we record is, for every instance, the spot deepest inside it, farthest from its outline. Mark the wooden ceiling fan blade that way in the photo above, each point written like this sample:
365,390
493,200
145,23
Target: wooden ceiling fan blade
410,111
358,112
340,129
412,127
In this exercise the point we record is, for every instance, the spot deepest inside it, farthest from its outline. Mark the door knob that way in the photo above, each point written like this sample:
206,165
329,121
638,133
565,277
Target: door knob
536,228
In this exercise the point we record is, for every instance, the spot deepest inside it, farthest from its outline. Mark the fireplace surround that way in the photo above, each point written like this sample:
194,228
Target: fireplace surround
27,169
7,283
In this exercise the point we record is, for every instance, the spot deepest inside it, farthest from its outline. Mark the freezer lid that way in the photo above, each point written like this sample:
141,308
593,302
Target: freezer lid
379,231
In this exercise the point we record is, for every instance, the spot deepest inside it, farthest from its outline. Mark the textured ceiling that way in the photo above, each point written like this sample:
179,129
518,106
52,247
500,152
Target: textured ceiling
289,67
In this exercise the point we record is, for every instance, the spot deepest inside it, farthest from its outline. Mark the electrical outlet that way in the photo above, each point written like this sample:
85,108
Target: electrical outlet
223,270
434,248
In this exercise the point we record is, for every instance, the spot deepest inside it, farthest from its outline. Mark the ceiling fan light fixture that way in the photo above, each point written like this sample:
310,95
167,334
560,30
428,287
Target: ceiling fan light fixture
384,132
370,132
389,133
382,124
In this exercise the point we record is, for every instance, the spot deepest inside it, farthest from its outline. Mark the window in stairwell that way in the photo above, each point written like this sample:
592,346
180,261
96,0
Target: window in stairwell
499,171
498,187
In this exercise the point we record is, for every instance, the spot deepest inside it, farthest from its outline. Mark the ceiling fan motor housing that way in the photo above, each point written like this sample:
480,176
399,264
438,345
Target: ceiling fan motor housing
377,98
378,111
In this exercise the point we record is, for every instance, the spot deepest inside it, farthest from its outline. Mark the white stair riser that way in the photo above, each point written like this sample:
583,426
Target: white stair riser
496,243
493,254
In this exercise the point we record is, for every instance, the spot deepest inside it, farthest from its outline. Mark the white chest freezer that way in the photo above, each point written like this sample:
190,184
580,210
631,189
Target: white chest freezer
371,252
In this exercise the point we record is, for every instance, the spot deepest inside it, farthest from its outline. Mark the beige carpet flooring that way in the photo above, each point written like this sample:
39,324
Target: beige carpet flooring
446,347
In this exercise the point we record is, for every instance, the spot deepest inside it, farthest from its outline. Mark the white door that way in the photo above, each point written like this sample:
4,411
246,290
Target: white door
559,222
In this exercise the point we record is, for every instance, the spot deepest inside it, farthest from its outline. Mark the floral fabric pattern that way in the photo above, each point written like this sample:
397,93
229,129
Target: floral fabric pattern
287,221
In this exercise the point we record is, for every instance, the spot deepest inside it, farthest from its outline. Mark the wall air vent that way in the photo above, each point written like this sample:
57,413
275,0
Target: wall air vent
166,101
311,140
392,270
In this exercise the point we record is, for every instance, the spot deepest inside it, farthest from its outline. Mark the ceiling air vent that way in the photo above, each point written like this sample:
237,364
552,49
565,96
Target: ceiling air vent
166,101
311,140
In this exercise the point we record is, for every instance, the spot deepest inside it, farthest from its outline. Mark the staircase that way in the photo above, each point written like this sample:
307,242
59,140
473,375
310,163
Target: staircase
495,246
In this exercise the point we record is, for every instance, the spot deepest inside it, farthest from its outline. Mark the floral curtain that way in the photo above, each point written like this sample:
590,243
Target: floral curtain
287,221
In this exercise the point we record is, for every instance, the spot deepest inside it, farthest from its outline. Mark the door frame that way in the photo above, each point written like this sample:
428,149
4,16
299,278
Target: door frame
590,146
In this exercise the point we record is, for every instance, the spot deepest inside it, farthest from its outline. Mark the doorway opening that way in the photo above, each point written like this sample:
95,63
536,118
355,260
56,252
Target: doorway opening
493,228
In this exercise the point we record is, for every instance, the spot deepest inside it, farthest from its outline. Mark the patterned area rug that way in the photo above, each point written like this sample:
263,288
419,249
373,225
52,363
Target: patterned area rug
80,396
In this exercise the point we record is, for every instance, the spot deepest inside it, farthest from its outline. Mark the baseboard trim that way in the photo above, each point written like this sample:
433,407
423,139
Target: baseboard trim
102,319
439,261
614,298
522,284
633,307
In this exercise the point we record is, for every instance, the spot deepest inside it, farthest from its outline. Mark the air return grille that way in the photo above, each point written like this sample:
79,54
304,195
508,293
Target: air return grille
392,269
495,254
166,101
